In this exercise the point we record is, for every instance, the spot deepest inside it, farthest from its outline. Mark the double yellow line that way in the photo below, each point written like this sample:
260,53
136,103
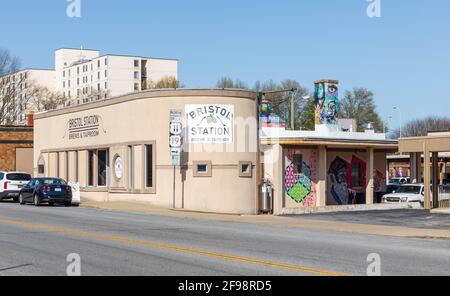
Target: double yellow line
137,242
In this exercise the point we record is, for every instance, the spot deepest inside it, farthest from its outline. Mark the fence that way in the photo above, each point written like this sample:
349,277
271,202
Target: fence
444,196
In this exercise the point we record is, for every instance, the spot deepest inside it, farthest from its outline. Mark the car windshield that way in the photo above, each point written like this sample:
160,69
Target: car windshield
409,189
394,181
18,177
53,182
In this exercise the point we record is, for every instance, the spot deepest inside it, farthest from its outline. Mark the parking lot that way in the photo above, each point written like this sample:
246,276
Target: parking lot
402,218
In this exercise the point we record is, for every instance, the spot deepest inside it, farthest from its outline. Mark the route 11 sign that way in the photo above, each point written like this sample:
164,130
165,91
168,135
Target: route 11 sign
175,136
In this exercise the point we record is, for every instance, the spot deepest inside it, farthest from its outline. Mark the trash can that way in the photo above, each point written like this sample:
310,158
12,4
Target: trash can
266,197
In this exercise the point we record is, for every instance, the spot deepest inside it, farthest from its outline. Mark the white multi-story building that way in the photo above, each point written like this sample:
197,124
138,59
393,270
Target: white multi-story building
17,90
82,76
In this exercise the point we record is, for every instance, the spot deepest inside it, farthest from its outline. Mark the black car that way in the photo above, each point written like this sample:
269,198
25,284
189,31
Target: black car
46,190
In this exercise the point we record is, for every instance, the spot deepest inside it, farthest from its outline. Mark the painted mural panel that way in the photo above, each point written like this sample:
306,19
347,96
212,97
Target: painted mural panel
301,177
327,103
347,181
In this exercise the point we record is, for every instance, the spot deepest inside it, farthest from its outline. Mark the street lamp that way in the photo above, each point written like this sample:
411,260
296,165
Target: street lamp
401,121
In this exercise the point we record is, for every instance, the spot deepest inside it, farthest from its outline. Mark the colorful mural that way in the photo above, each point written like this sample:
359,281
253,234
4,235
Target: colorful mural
301,186
327,103
342,186
268,118
339,176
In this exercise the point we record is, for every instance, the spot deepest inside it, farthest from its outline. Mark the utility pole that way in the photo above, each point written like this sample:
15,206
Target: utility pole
293,110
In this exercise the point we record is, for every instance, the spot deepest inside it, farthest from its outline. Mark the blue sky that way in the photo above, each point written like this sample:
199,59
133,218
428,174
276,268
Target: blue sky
403,57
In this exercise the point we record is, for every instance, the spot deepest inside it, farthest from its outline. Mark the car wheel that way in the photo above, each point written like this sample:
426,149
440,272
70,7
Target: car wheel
15,199
36,201
51,204
67,204
21,201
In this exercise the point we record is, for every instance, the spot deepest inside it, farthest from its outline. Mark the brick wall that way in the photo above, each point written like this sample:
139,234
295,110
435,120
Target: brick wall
12,137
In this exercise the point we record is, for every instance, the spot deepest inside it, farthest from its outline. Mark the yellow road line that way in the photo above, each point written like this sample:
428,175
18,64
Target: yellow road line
137,242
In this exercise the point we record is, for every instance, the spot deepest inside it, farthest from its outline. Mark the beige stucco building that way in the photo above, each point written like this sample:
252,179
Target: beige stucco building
120,150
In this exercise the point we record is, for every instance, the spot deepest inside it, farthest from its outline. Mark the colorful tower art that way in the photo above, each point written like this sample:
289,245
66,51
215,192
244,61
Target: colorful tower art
327,101
268,118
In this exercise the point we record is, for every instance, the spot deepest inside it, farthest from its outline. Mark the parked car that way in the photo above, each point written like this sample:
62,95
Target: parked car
400,181
46,190
406,193
11,183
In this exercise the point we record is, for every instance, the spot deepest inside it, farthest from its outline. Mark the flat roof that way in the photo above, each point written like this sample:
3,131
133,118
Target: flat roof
335,143
27,69
432,143
148,94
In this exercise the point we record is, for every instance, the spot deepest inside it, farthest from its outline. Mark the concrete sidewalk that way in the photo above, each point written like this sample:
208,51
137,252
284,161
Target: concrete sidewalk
276,221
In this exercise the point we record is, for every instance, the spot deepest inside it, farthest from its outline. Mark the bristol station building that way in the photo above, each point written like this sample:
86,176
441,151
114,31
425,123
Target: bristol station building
210,150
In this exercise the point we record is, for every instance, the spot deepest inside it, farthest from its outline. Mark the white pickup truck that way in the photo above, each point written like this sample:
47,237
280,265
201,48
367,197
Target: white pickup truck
11,183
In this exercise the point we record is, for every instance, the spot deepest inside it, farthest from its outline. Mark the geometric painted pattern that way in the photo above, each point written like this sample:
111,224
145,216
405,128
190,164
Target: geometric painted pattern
298,187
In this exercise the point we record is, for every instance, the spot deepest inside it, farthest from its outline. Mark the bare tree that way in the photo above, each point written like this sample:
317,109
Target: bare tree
12,85
163,83
421,127
280,103
227,82
359,104
40,98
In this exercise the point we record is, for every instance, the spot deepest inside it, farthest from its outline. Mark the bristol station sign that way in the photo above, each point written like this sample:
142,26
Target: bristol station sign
210,124
90,126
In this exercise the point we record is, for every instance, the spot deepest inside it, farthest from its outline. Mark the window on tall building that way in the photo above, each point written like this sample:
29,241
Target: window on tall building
106,73
106,61
136,87
136,63
136,75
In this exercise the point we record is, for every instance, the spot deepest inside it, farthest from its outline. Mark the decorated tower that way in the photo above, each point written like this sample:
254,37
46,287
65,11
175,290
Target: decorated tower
326,95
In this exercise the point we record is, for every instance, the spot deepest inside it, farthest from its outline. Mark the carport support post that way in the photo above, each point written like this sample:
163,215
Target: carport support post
369,176
435,168
322,177
427,177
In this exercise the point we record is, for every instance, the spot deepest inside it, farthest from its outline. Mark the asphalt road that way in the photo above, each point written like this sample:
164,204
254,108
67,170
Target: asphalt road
37,241
402,218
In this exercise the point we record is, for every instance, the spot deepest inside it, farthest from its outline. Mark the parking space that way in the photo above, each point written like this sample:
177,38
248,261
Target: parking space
401,218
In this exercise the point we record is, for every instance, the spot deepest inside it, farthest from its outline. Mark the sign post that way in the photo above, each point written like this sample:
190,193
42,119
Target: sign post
175,142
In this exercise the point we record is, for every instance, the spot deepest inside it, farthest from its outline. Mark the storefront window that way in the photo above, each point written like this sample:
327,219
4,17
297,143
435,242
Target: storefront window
102,156
91,167
149,166
98,168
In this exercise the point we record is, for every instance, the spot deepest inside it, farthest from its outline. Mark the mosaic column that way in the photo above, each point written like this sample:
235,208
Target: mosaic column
326,95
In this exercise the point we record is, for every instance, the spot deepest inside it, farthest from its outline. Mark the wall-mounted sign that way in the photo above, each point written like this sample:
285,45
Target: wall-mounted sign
210,124
84,127
175,136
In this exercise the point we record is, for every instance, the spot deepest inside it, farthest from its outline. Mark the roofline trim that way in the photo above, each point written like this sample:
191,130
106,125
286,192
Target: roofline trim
148,94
